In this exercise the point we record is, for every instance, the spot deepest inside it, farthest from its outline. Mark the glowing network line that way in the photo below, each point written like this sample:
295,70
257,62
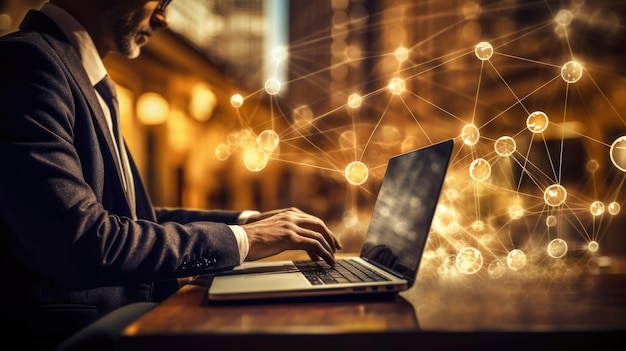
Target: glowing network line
485,244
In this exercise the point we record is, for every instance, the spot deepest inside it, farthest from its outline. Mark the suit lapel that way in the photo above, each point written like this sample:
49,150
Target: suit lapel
35,20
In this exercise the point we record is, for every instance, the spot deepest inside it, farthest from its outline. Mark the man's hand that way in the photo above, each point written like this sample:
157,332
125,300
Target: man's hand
272,232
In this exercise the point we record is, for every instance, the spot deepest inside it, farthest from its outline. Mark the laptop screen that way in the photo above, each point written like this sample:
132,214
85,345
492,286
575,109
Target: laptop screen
405,208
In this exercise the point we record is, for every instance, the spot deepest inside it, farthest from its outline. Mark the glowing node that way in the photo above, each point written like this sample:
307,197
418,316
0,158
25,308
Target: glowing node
516,259
555,195
356,173
402,54
593,246
222,152
347,139
614,208
483,51
480,169
396,86
596,208
618,153
505,146
302,117
485,239
249,142
496,269
453,227
557,248
255,159
272,86
592,166
564,17
268,141
236,100
516,212
470,134
551,221
279,54
355,100
469,260
450,261
452,194
537,122
571,72
478,226
409,143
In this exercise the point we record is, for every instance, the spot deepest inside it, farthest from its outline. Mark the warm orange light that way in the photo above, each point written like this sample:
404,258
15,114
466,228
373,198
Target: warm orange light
203,102
152,109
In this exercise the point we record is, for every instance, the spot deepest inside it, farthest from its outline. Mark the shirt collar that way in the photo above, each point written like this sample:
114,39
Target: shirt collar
80,39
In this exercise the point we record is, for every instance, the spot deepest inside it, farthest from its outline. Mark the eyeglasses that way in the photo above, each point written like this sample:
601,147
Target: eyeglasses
163,5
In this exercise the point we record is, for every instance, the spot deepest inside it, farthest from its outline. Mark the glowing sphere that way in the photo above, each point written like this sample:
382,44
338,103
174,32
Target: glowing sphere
555,195
356,173
268,141
593,246
571,72
347,140
302,117
551,221
478,226
516,212
236,100
516,259
483,51
564,17
249,142
592,166
557,248
480,169
402,54
618,153
452,194
453,227
409,143
396,86
496,269
485,239
614,208
470,134
279,54
596,208
355,100
537,122
505,146
255,159
222,152
272,86
469,260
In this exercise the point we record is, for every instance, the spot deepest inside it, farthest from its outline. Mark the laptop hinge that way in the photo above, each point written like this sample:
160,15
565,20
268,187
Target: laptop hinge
386,269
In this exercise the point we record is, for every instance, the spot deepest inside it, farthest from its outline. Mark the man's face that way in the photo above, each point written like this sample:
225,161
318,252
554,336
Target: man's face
132,22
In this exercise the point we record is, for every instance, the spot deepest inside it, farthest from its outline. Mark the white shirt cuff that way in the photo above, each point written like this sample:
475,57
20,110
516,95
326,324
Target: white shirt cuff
244,215
242,242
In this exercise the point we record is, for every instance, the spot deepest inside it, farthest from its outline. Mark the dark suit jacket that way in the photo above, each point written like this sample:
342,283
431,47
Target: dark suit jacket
69,251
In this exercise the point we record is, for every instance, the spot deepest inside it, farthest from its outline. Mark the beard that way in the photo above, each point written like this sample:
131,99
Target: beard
128,34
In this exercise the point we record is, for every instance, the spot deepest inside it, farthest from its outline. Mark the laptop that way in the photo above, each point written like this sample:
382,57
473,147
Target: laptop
392,248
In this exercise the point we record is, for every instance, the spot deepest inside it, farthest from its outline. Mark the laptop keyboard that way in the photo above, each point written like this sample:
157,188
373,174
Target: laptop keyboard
344,271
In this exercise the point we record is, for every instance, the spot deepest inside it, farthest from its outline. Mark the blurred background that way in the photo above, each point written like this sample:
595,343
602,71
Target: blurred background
259,104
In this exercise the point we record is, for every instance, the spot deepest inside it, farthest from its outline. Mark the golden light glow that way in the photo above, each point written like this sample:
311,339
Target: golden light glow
152,108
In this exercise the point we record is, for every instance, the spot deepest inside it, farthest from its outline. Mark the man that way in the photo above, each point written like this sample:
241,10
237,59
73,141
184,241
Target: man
79,236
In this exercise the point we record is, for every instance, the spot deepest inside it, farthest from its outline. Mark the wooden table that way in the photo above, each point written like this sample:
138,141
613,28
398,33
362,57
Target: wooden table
573,308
